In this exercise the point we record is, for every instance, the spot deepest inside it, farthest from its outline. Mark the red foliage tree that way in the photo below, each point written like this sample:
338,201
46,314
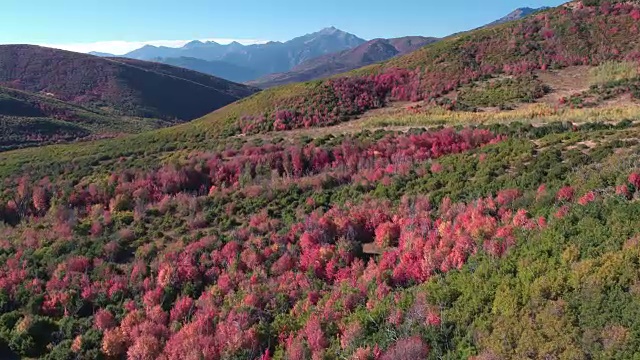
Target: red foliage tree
182,309
314,334
565,194
40,199
114,343
634,179
623,190
145,347
387,234
104,320
587,198
433,319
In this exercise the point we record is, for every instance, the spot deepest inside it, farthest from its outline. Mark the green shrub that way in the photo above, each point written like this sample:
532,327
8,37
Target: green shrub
502,93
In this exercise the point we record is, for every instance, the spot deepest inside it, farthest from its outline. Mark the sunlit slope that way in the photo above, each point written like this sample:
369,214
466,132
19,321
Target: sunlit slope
572,34
560,37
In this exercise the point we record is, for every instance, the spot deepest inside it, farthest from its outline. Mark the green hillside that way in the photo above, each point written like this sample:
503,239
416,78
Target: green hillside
29,119
51,95
477,199
556,38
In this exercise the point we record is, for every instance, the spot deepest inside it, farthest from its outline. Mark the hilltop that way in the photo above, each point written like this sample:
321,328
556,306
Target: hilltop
114,85
52,95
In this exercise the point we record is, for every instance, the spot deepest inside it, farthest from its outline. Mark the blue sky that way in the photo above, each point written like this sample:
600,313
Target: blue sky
112,25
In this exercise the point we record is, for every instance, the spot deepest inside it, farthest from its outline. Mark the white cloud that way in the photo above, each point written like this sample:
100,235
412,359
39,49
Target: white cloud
123,47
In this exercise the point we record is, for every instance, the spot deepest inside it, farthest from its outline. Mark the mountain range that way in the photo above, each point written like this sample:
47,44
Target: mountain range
324,53
217,68
368,53
52,95
263,59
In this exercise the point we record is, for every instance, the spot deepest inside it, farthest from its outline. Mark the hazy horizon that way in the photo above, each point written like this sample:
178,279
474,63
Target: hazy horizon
120,26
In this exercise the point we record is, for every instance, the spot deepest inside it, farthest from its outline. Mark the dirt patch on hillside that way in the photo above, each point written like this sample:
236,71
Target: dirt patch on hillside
564,82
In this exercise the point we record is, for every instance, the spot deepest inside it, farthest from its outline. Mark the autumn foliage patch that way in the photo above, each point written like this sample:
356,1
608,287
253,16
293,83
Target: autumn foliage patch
566,36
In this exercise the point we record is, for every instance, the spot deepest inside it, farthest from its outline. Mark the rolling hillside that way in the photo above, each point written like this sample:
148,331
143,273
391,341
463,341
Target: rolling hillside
116,86
566,36
29,119
475,199
555,38
366,54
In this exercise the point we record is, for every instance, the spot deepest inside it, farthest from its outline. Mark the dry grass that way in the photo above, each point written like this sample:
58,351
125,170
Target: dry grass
536,113
613,71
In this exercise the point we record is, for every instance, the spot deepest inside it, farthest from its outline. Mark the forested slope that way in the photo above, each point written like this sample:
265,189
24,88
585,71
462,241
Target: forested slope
503,236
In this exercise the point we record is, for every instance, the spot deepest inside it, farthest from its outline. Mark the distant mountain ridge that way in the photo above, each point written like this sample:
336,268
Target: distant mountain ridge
101,54
371,52
517,14
216,68
311,56
263,59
